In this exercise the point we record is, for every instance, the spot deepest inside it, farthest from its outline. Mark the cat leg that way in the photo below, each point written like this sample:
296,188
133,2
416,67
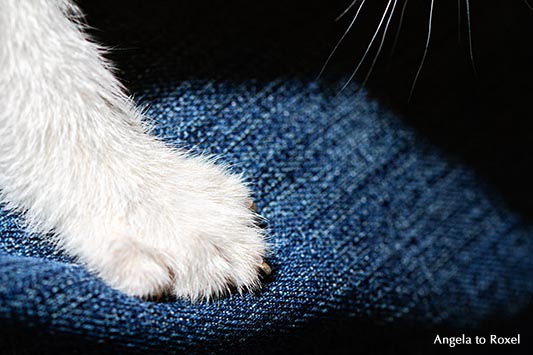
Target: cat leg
76,158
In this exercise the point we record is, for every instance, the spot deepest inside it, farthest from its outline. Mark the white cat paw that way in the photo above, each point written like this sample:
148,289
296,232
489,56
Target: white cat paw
190,232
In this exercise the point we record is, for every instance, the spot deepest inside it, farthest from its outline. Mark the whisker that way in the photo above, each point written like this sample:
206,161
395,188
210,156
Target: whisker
380,44
397,36
528,5
367,49
342,38
425,52
346,10
470,35
459,21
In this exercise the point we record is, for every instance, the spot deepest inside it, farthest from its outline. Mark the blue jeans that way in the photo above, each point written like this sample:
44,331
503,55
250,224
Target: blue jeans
384,221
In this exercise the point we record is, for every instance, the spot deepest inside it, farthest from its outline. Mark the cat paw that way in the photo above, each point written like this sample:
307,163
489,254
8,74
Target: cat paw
191,233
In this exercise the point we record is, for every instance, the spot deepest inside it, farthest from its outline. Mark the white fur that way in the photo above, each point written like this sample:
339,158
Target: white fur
77,160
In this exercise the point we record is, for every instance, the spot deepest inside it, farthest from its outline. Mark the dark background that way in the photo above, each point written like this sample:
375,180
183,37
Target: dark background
484,117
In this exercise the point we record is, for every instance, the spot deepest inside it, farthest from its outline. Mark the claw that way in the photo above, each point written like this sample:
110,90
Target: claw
265,268
253,206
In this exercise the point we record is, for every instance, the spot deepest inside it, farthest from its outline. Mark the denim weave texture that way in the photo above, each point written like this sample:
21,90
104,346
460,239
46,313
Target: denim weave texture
379,217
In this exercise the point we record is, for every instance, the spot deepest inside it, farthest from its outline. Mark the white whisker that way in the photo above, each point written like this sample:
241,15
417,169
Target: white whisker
528,5
346,10
425,51
342,38
368,48
380,44
459,21
399,28
470,35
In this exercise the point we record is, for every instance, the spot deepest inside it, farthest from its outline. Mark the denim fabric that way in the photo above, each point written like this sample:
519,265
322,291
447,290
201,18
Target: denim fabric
384,220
